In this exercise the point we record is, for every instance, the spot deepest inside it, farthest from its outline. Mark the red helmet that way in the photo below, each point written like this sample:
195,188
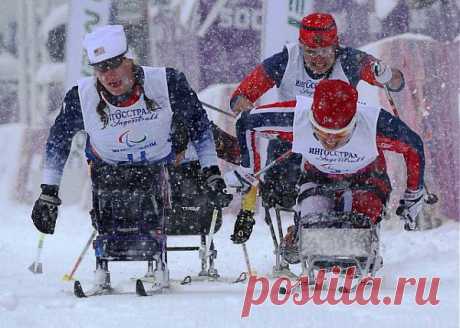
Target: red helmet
334,106
318,30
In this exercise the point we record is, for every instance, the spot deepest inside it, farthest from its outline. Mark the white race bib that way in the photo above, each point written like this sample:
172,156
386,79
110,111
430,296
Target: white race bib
296,81
134,133
357,153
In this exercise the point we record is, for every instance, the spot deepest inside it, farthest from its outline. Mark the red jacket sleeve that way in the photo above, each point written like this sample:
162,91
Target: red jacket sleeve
394,135
254,85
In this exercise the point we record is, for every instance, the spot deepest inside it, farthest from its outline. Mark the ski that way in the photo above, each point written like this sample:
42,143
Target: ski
79,292
189,279
296,285
156,288
141,291
211,279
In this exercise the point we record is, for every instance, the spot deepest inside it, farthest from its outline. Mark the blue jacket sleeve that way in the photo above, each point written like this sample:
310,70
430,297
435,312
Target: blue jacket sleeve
357,66
189,113
353,62
275,66
68,122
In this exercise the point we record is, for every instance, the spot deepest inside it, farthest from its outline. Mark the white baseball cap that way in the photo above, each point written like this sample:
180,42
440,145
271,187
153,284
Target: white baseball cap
104,43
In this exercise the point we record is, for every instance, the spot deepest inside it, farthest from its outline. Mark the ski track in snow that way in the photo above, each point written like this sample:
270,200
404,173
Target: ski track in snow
28,300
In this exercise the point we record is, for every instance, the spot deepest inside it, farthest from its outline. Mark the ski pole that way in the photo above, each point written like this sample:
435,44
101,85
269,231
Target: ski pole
391,101
251,179
431,197
36,266
68,277
215,213
273,163
217,109
246,259
269,222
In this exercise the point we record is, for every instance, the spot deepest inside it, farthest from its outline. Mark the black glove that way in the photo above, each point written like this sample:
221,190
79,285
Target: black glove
267,194
278,187
215,186
45,211
276,192
243,227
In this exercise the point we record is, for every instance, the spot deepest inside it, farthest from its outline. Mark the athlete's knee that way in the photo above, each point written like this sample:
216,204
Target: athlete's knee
369,204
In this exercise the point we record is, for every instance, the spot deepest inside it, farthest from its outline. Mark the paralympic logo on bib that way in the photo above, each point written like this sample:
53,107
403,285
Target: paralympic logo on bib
124,138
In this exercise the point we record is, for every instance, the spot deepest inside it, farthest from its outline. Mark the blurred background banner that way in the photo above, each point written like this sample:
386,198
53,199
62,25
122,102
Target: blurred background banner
212,41
84,16
229,39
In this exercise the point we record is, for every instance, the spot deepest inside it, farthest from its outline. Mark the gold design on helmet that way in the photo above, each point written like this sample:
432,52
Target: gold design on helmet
317,38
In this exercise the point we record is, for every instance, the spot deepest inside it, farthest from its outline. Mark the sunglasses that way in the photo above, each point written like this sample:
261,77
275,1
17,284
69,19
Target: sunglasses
323,52
109,64
336,139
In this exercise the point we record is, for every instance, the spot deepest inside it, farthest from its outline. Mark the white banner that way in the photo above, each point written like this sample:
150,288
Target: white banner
281,26
84,16
281,23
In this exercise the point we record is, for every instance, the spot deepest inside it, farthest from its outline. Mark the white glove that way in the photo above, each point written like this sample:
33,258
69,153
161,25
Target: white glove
382,72
410,207
242,179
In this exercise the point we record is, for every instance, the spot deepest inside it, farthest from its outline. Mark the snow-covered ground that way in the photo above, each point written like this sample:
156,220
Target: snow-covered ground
28,300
